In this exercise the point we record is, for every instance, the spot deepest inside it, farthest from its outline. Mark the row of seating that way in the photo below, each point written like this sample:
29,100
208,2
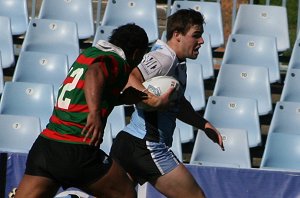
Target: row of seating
251,18
239,129
237,137
251,45
207,73
232,116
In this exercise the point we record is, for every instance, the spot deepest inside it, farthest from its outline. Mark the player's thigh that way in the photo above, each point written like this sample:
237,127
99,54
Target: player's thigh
36,187
178,183
115,183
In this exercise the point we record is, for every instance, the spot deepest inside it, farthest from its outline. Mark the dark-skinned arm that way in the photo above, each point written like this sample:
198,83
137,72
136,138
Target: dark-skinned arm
93,88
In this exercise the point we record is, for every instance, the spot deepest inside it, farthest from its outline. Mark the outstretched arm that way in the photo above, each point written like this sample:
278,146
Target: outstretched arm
188,115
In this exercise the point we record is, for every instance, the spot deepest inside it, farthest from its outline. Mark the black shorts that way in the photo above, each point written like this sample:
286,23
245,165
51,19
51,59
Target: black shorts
70,165
142,159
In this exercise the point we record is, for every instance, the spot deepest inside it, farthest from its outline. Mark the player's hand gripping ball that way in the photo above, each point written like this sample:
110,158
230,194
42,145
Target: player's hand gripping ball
158,86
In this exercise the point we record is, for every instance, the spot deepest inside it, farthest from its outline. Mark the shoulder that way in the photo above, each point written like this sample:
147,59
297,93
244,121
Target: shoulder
156,60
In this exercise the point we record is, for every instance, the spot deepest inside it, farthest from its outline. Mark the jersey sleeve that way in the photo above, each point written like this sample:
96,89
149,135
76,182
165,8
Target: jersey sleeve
155,64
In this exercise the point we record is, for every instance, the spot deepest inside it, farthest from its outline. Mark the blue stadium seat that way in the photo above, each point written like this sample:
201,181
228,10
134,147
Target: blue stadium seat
31,99
17,11
41,67
281,152
235,113
176,144
140,12
18,132
205,58
164,36
291,89
263,20
1,77
6,43
253,50
294,62
117,119
103,32
246,82
213,18
286,118
77,11
236,154
52,36
186,131
195,92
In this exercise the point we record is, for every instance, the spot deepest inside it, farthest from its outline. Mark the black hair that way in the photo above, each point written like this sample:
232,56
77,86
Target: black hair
182,20
129,38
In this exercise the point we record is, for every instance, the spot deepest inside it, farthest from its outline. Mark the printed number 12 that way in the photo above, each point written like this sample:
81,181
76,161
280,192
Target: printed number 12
64,102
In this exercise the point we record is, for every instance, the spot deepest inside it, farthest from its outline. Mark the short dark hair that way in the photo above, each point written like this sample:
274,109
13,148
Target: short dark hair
129,37
182,20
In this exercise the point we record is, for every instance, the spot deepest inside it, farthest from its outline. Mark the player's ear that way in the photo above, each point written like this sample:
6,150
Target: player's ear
177,35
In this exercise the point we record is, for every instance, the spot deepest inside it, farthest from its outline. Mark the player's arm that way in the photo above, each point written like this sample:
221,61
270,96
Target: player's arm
93,88
159,102
131,95
188,115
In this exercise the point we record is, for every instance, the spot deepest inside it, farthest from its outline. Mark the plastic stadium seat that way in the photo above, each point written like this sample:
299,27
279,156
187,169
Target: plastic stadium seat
41,67
205,58
52,36
164,36
291,89
6,43
253,50
18,133
103,32
107,138
117,119
31,99
281,152
195,91
263,20
245,82
78,11
294,62
186,131
236,154
235,113
212,15
176,144
1,77
140,12
286,118
17,11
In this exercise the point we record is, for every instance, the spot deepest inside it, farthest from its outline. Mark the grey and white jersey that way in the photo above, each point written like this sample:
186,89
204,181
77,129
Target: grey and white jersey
158,126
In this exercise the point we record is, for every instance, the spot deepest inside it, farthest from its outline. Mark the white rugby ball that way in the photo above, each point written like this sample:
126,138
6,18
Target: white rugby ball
159,85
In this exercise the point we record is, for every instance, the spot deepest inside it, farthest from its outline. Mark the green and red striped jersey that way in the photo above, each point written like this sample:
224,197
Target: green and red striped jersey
71,109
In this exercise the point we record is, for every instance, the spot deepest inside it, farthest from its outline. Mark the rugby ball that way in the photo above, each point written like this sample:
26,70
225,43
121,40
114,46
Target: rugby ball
159,85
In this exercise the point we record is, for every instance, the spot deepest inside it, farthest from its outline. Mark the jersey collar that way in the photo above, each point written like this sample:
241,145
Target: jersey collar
108,47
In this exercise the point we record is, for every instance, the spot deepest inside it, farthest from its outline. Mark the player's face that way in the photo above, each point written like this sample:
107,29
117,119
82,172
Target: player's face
191,42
